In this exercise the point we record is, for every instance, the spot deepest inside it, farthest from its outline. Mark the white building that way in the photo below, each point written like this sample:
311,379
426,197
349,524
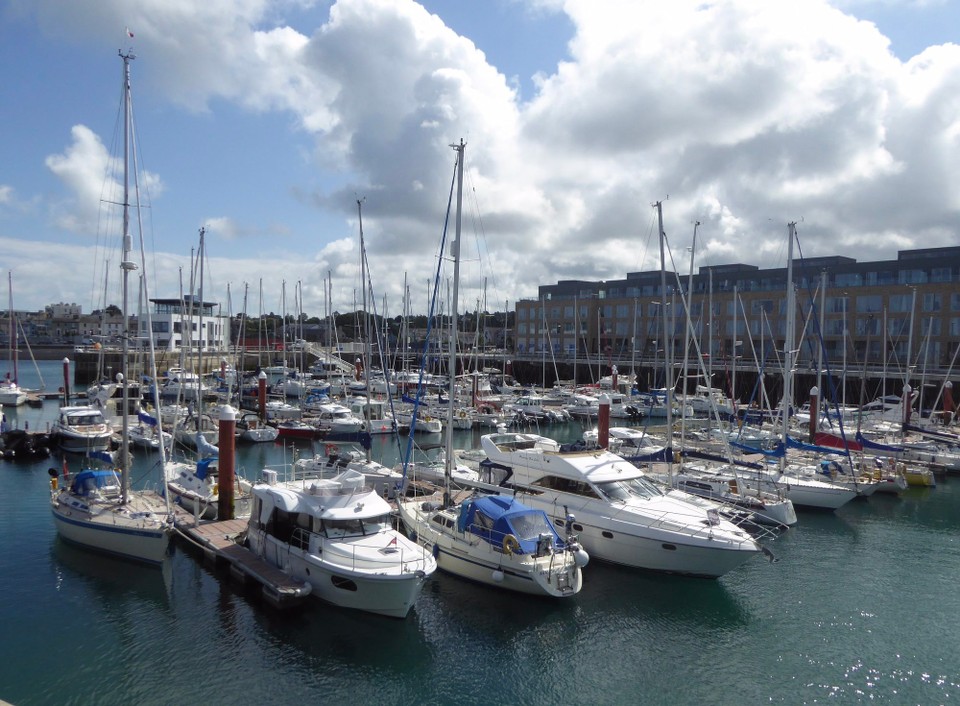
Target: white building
62,310
186,322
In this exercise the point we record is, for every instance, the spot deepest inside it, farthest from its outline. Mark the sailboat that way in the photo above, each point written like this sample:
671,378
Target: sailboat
11,394
803,489
96,508
495,540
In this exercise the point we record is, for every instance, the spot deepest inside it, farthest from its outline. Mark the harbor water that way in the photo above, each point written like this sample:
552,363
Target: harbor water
861,605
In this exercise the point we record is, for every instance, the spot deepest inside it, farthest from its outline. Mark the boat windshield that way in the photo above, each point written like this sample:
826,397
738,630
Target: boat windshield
623,490
82,420
354,527
530,525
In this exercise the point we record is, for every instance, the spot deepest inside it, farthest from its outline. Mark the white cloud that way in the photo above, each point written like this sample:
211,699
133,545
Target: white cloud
746,113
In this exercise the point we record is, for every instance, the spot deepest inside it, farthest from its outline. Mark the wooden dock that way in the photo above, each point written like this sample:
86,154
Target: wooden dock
217,540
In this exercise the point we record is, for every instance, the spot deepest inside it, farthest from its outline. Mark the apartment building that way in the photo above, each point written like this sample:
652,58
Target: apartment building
901,312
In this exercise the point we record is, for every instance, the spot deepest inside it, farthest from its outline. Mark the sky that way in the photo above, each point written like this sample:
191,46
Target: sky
265,122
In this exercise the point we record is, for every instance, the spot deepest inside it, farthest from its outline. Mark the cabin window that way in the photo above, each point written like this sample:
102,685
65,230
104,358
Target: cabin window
623,490
343,528
482,522
281,525
566,485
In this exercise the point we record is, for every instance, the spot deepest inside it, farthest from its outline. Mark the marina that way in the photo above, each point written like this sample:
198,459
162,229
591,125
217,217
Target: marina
860,605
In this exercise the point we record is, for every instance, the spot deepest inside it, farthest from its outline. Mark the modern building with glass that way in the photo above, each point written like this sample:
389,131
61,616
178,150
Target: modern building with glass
902,312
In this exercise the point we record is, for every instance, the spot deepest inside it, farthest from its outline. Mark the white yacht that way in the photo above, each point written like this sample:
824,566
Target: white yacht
334,418
11,394
621,516
336,535
81,429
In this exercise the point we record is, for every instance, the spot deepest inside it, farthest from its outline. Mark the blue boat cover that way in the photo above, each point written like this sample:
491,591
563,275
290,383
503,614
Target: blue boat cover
86,482
104,456
147,419
203,466
493,517
877,446
776,451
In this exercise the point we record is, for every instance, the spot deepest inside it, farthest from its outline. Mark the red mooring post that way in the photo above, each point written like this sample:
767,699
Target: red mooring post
603,422
814,411
66,382
262,395
226,480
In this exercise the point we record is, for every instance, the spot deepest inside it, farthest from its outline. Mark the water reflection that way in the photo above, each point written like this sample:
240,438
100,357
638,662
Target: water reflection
115,581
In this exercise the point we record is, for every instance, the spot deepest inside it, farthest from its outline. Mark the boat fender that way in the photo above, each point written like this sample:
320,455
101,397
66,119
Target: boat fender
511,545
580,557
497,576
436,551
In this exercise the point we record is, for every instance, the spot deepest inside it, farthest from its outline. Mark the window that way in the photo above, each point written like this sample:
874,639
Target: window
930,325
835,305
931,301
912,277
848,279
897,326
833,327
955,301
870,304
566,485
868,326
900,303
940,274
759,305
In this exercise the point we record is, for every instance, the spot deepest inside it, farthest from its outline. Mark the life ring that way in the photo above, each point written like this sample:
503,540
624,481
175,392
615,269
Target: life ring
511,545
462,414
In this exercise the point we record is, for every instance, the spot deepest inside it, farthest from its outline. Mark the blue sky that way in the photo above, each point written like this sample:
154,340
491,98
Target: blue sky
264,121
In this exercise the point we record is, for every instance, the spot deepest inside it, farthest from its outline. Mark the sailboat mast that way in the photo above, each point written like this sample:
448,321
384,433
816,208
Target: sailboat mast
788,345
448,462
14,343
667,334
126,264
366,324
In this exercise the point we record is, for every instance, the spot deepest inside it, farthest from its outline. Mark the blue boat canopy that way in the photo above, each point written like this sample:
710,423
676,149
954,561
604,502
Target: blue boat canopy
203,466
494,517
85,483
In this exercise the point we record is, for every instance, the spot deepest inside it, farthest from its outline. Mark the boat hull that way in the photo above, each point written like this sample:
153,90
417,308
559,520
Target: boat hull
111,531
389,594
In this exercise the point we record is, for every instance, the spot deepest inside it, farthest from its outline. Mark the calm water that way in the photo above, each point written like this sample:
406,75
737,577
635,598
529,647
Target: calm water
863,605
